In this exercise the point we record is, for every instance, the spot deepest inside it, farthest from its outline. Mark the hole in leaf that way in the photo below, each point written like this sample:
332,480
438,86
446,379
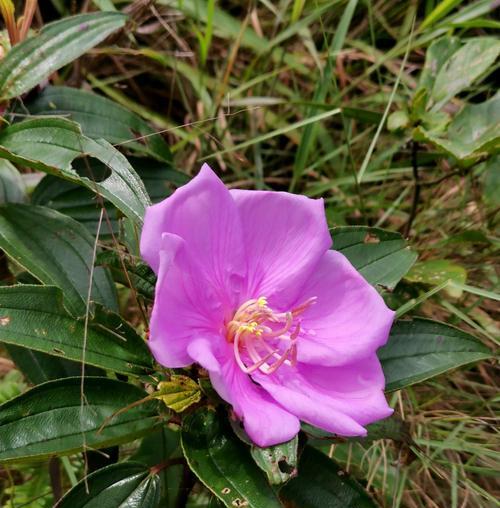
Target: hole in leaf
285,467
371,238
92,168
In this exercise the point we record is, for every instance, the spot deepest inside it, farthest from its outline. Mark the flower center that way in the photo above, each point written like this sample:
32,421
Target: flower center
264,339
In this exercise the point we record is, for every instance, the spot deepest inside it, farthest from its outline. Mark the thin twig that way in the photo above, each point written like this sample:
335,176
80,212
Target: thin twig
55,478
416,188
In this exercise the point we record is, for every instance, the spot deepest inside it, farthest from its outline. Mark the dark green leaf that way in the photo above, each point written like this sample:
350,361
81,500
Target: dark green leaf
53,419
80,203
321,483
382,257
34,317
51,144
223,463
41,367
57,44
473,134
279,462
420,349
12,188
127,485
155,449
58,251
391,428
100,117
77,202
138,276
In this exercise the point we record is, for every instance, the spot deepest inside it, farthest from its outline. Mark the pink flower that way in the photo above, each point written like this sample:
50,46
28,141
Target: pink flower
248,288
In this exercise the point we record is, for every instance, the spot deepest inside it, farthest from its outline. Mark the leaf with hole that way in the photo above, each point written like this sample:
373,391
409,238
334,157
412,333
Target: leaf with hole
34,317
223,463
128,484
382,257
100,117
51,144
53,418
31,61
79,203
420,349
279,462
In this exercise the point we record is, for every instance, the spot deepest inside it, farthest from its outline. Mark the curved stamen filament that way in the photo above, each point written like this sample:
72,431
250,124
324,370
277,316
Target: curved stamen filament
256,340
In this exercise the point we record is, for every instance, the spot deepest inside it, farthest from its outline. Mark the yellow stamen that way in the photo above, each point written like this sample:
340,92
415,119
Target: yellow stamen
253,333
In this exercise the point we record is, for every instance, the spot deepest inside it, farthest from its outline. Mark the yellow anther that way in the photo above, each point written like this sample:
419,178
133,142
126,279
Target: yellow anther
249,327
262,301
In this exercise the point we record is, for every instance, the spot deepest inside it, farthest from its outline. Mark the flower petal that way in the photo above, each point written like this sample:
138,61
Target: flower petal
264,420
285,235
184,308
349,320
310,406
337,399
204,215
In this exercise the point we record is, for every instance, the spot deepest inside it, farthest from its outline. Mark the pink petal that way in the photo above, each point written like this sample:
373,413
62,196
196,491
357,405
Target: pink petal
204,215
337,399
310,407
285,235
184,308
349,320
264,420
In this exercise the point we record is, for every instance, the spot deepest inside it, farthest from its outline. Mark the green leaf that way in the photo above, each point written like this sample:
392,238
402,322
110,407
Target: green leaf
178,393
390,428
52,419
279,462
491,181
473,134
222,462
158,178
138,276
41,367
420,349
51,144
58,251
12,188
436,271
463,68
128,484
76,202
437,54
382,257
100,117
34,317
156,448
57,44
321,483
